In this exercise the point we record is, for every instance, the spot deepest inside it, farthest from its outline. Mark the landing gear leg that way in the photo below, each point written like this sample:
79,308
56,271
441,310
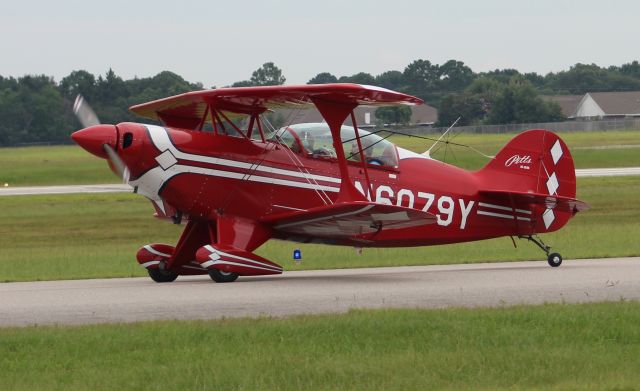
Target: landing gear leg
554,259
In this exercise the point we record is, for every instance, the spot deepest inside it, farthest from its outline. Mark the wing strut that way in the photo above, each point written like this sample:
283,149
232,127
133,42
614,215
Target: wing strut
335,113
362,155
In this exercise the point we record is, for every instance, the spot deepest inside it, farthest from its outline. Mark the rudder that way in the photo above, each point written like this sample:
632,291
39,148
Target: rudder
535,161
533,172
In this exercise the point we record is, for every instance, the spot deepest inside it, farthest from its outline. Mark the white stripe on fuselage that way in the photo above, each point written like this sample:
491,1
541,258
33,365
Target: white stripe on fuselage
150,263
156,177
152,181
486,205
502,216
219,255
161,140
156,252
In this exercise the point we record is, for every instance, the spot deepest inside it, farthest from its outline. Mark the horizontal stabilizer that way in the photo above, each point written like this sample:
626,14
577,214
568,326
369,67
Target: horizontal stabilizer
348,220
524,199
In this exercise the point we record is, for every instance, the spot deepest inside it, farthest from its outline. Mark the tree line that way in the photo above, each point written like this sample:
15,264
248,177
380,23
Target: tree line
36,108
501,96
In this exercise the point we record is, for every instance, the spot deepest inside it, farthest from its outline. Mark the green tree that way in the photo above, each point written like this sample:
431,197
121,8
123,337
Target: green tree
8,83
267,75
454,76
631,69
581,78
420,78
358,78
519,102
33,111
111,86
472,105
536,80
78,82
501,75
487,89
393,80
243,83
469,107
323,78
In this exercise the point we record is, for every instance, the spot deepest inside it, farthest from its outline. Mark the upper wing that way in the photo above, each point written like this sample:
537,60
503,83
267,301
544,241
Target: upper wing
187,110
348,220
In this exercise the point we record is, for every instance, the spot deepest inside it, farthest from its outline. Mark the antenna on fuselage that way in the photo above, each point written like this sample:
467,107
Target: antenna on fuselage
427,153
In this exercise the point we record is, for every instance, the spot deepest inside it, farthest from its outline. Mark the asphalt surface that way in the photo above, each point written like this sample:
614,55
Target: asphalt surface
68,189
326,291
621,171
120,188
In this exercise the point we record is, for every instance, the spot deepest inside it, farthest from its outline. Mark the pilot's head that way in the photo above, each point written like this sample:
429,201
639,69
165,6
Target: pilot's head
307,140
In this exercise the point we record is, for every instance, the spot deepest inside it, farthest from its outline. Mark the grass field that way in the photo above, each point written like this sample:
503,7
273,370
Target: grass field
550,347
589,149
72,165
91,236
57,165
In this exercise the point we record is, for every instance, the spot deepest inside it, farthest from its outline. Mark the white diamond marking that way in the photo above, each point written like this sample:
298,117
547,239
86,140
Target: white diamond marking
166,159
552,184
556,151
548,217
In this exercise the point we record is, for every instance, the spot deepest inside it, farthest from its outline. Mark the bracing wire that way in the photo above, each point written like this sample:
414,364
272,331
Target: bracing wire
300,166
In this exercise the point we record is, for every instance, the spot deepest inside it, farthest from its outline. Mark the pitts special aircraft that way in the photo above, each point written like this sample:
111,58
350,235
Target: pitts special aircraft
218,166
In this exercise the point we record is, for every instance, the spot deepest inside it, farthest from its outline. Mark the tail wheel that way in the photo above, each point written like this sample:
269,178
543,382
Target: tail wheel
554,260
159,275
220,276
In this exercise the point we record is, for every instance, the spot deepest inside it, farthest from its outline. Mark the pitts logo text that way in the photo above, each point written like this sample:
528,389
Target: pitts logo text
517,160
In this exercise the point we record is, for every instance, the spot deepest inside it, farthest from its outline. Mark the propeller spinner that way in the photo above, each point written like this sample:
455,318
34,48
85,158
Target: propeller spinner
100,140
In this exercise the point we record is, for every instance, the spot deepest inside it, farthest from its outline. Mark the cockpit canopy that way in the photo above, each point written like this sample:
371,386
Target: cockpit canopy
314,140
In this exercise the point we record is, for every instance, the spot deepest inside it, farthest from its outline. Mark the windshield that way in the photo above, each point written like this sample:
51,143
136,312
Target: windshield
315,140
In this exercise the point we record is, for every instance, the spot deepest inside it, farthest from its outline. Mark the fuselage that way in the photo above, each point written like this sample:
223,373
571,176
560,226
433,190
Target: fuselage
218,167
203,175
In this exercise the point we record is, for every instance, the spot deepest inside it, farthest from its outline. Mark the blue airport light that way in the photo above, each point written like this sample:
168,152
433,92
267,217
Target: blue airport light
297,255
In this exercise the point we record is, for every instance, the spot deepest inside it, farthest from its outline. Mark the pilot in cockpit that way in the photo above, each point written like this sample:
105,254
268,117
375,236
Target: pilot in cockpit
308,141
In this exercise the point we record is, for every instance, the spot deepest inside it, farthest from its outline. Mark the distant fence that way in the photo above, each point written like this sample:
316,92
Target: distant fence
568,126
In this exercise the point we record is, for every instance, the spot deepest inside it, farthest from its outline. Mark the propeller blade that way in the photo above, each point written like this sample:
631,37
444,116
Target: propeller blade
117,163
84,112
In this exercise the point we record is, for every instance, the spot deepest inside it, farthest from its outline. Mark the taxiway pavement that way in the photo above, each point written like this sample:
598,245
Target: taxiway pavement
324,291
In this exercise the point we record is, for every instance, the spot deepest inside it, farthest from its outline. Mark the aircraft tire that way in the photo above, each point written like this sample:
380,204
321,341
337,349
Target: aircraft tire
220,276
554,260
158,275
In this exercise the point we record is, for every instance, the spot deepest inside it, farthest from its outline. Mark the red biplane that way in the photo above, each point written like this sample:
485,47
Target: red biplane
218,165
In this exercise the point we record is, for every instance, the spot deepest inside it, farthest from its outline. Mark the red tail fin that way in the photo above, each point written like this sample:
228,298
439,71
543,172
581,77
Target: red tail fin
537,163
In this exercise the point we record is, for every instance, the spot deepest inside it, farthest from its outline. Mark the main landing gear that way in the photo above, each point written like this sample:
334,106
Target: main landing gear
207,247
554,259
222,276
161,275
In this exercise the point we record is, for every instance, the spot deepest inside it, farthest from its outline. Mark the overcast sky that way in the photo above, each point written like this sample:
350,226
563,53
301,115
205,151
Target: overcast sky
219,42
